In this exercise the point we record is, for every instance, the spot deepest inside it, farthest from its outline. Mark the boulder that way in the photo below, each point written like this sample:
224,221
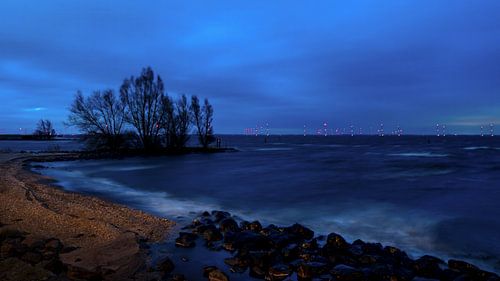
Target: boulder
228,224
308,270
217,275
428,266
300,231
343,272
186,240
278,272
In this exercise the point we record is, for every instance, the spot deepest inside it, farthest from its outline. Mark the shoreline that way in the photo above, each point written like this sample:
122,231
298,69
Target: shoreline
98,239
211,229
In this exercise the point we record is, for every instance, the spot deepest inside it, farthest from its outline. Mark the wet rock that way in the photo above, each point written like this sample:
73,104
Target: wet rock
336,242
220,215
248,240
166,265
211,234
308,270
268,230
423,279
244,225
229,224
255,226
462,266
366,260
283,239
290,252
428,266
372,248
186,240
301,231
263,258
356,250
206,214
208,269
378,272
217,275
236,262
201,221
278,272
343,272
257,272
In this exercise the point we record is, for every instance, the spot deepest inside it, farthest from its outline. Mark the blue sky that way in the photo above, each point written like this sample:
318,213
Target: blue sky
286,63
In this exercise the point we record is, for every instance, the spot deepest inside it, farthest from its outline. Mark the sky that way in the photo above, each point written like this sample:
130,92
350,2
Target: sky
412,64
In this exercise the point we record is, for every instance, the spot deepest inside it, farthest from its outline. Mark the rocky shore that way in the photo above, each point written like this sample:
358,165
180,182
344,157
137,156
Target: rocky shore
50,234
295,253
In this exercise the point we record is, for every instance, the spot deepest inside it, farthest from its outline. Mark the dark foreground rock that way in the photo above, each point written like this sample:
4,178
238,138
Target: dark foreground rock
294,253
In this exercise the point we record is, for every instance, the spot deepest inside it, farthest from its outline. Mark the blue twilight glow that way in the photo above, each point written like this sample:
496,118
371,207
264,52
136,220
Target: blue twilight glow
407,64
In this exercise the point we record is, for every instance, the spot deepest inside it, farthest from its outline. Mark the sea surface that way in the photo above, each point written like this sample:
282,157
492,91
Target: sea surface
425,195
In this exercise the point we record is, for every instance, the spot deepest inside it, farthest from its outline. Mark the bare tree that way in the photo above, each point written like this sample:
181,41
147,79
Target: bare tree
44,130
143,97
202,119
177,122
100,116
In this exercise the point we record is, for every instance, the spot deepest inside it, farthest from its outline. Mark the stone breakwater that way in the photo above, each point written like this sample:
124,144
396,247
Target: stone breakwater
295,253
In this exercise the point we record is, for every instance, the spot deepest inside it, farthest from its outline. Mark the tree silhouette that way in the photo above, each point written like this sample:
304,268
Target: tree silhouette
143,97
177,122
44,130
202,119
100,116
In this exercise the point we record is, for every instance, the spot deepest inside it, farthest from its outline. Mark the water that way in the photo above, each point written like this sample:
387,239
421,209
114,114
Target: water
39,145
426,195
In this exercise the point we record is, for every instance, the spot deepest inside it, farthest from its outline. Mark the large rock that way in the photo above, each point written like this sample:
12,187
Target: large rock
308,270
220,215
229,224
300,231
217,275
248,240
336,242
212,234
279,272
186,240
343,272
428,266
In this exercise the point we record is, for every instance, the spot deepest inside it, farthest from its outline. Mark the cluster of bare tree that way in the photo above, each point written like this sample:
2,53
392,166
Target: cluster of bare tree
44,130
142,111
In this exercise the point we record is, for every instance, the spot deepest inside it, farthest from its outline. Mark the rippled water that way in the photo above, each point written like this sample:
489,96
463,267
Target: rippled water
423,194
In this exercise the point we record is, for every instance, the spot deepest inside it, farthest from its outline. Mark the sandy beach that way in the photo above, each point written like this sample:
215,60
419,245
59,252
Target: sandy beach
100,239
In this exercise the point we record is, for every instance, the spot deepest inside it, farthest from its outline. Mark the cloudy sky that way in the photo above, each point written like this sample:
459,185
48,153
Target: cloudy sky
288,63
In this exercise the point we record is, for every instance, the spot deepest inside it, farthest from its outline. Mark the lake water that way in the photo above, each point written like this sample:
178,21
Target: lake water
426,195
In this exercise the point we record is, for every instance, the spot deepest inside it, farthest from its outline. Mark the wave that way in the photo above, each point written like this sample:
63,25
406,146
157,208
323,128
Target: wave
481,148
158,203
419,154
274,149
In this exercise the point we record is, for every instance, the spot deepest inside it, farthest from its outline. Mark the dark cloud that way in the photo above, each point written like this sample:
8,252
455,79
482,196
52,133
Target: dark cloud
412,63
